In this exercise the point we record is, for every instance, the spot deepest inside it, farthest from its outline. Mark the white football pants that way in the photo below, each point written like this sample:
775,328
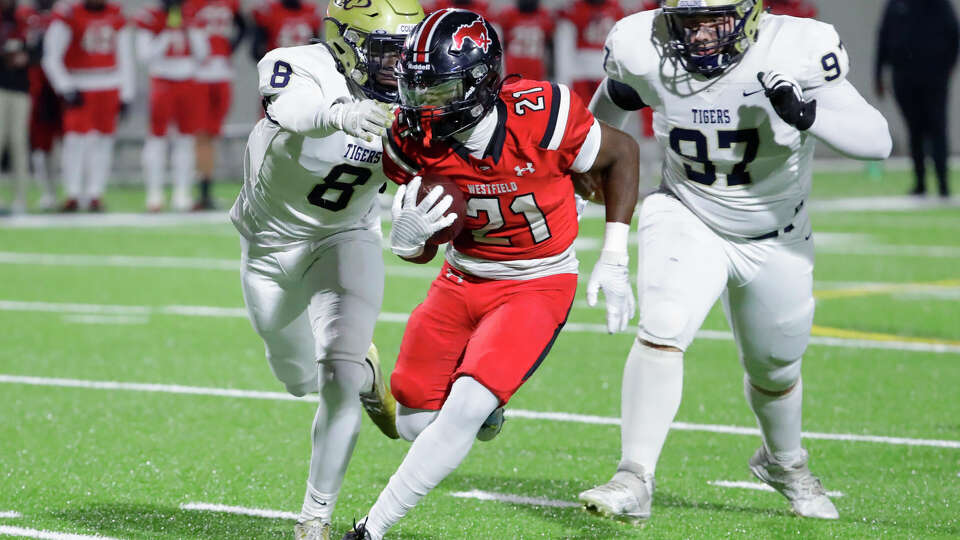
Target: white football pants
766,287
314,303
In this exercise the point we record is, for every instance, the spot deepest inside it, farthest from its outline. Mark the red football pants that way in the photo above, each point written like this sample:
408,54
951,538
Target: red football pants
496,331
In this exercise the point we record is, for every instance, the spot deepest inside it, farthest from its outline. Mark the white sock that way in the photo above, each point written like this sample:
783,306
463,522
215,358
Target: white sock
335,429
154,159
649,400
780,419
184,168
99,164
73,157
317,505
434,454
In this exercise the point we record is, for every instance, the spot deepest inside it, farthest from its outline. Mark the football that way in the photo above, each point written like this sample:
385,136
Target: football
458,207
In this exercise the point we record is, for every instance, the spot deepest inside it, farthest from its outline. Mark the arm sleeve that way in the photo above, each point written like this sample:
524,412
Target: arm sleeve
55,43
127,65
294,97
565,51
568,130
199,44
150,48
850,125
613,101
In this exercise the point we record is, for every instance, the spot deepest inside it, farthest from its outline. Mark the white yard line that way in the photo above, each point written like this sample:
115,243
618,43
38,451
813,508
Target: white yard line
106,319
401,318
239,510
757,486
7,530
10,514
511,413
512,499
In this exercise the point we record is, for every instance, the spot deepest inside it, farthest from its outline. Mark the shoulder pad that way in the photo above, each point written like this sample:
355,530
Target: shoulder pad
629,51
811,51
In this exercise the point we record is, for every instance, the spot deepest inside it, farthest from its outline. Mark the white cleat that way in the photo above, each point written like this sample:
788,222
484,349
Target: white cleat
378,401
795,482
313,529
626,497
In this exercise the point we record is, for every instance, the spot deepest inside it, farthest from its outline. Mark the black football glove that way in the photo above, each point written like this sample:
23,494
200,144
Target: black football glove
787,99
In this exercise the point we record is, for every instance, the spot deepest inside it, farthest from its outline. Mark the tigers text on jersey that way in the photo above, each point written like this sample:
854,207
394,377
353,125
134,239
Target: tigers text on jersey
298,188
729,157
521,217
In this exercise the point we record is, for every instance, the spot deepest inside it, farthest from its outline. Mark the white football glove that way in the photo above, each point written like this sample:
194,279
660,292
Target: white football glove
366,119
414,223
611,274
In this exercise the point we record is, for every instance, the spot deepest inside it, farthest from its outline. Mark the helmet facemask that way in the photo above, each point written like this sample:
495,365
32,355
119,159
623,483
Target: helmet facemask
707,39
368,60
450,83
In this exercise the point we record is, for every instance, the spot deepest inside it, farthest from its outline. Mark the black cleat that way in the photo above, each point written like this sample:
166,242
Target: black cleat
358,532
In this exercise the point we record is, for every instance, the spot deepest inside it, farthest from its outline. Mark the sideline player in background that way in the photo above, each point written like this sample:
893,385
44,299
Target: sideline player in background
504,292
284,23
225,27
46,124
527,30
15,98
312,261
578,43
88,58
739,99
171,47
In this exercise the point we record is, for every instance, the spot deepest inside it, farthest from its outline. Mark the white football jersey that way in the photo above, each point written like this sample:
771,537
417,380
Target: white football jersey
300,188
729,157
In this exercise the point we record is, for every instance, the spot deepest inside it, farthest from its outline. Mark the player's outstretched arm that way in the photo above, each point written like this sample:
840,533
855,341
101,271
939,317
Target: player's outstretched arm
297,98
837,115
850,125
617,164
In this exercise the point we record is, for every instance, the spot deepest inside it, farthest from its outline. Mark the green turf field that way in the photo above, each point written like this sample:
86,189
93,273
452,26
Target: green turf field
160,306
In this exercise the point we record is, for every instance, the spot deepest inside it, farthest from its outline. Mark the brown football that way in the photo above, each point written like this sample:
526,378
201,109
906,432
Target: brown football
458,207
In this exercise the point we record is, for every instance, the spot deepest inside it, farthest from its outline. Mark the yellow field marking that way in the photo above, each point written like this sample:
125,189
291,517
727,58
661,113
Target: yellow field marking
827,331
870,290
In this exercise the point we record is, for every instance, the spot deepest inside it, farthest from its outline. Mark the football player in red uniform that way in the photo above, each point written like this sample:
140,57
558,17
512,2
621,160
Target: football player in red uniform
225,27
793,8
171,46
284,23
578,43
510,277
45,114
88,57
527,29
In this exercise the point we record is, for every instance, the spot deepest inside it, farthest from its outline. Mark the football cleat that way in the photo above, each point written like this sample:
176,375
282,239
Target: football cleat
358,532
491,426
795,482
379,402
626,497
96,205
70,206
312,529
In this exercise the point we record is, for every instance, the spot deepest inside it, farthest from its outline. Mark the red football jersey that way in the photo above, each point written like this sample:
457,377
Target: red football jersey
593,21
155,20
216,18
287,27
93,34
477,6
525,37
519,197
794,8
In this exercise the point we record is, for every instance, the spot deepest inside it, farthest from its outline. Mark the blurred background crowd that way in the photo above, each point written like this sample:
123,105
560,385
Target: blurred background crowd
163,92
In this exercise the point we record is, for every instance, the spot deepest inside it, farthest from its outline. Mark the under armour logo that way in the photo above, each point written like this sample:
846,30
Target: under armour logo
450,274
527,169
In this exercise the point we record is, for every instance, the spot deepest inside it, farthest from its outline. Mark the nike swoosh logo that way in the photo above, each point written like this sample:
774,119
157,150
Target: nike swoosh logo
746,94
321,503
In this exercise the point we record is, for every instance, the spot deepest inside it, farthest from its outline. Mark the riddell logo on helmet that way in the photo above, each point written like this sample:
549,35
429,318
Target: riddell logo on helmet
475,32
